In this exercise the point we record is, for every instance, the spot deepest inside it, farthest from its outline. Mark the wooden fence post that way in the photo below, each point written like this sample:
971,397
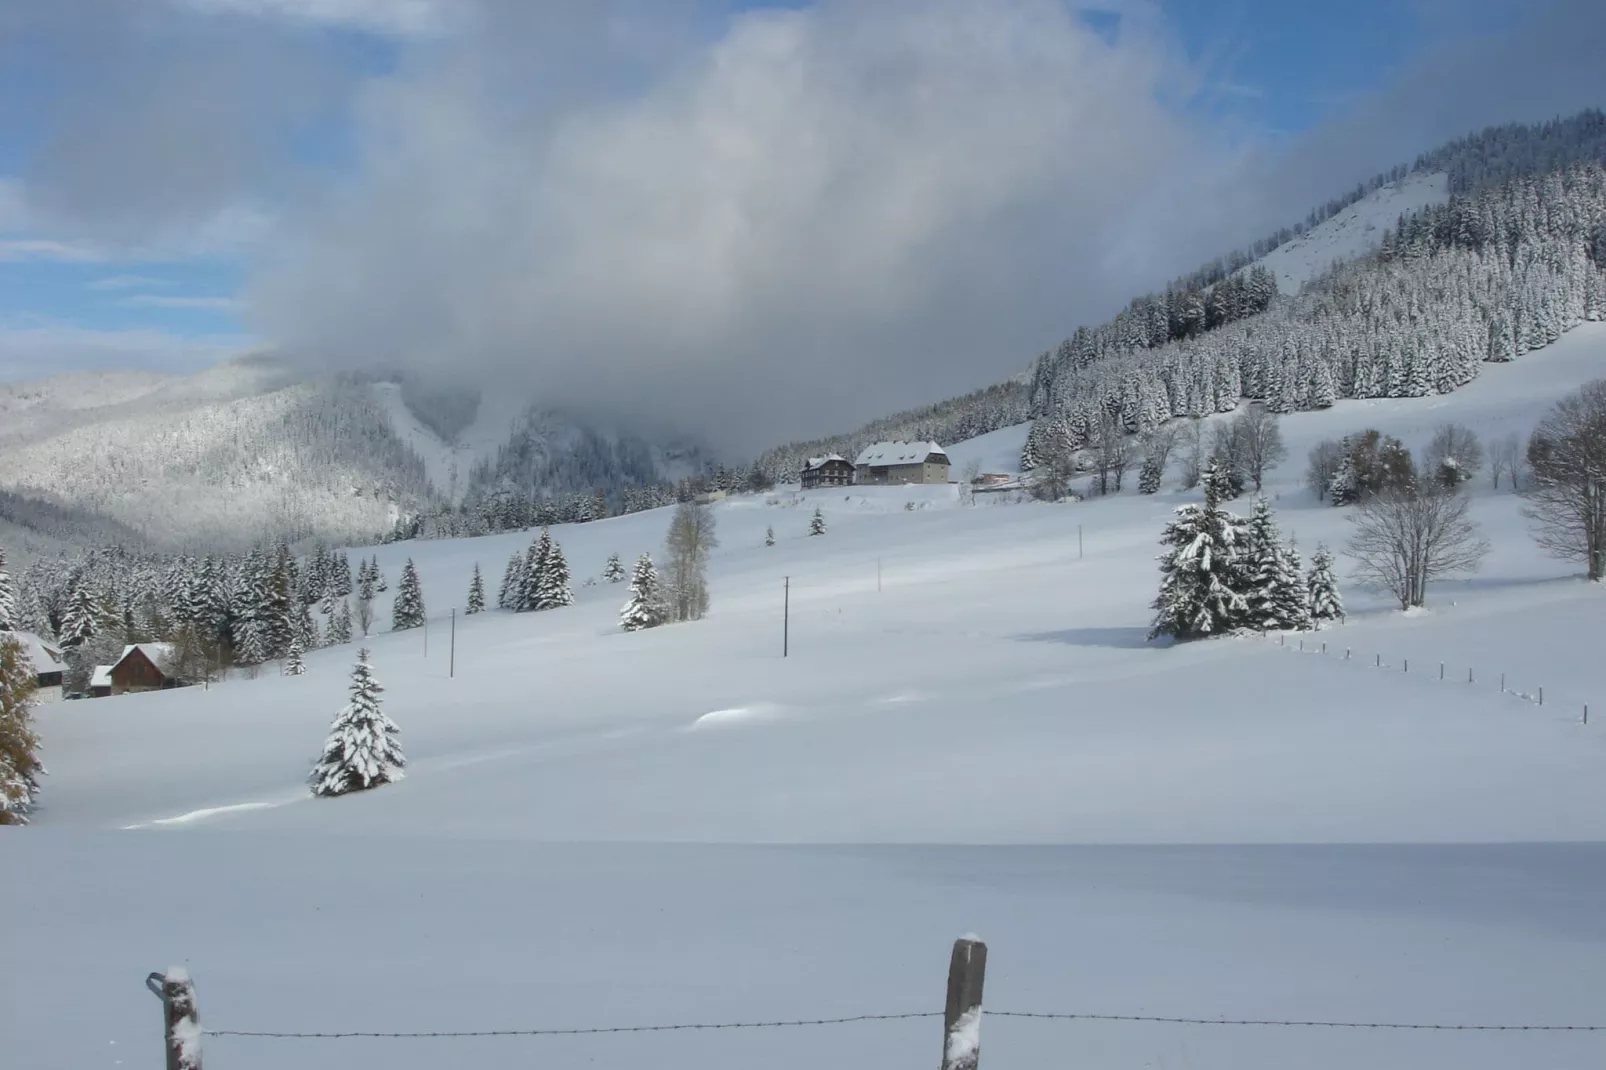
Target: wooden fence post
181,1022
961,1020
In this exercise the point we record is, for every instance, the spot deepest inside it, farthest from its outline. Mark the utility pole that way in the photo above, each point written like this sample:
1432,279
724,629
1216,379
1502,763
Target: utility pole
451,662
786,619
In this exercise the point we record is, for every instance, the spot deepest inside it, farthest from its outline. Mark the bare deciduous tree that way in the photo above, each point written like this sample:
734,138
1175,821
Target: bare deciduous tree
1259,442
1325,458
1052,477
1161,443
1113,454
1567,492
1406,536
691,538
1505,457
1453,456
1191,440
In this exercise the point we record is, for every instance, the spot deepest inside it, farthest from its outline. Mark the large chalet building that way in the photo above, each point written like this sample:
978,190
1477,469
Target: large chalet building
898,463
832,470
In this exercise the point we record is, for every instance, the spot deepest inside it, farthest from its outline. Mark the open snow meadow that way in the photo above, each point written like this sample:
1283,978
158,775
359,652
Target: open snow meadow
969,732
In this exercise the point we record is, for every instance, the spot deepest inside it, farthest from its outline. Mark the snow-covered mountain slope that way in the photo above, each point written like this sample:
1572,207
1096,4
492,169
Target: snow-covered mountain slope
223,457
249,449
957,675
1353,232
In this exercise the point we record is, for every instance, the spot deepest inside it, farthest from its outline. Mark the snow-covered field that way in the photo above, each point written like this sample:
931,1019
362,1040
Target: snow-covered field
680,825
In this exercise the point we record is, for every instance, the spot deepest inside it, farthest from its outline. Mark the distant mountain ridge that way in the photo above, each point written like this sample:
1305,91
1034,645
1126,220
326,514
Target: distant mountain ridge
251,450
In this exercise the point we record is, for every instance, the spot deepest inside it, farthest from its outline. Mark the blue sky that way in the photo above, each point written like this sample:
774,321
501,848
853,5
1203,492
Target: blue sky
78,262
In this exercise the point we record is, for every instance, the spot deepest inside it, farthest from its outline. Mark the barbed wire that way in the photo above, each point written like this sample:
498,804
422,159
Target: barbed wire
805,1022
582,1032
1450,1027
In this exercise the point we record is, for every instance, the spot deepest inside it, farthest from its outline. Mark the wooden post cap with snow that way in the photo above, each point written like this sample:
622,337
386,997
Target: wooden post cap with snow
362,750
961,1020
181,1022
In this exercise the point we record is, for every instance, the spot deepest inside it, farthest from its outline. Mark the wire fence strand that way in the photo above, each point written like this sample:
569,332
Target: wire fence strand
590,1031
805,1022
1449,1027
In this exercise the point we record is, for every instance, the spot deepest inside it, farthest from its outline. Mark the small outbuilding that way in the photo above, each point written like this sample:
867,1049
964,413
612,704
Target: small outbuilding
100,682
46,659
144,667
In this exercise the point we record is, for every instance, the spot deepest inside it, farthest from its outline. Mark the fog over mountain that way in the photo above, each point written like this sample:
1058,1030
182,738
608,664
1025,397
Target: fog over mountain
752,226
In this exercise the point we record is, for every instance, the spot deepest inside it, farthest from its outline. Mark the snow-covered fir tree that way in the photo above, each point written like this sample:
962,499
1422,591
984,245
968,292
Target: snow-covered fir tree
1202,572
250,643
476,592
1326,606
1291,601
19,746
82,618
552,589
528,598
407,611
380,583
817,522
512,583
1150,475
294,662
362,750
303,628
1344,488
646,608
614,570
1274,587
340,623
769,536
8,598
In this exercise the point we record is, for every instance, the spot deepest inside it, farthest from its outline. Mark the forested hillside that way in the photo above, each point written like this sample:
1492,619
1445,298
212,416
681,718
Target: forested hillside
1485,277
1534,206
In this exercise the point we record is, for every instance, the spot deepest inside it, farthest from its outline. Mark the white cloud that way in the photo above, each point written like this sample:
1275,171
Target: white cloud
825,213
33,350
126,282
15,249
400,17
208,304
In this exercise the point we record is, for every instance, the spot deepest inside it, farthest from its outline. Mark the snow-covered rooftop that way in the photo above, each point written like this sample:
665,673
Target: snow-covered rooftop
160,654
816,462
45,657
899,453
102,676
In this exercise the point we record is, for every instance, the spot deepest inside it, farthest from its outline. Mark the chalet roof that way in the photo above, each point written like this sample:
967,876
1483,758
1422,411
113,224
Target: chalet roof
160,654
45,657
102,676
820,462
881,453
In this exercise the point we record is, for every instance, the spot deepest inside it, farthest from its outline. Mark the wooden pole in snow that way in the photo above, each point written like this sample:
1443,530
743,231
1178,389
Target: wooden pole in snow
181,1024
786,618
451,661
961,1019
